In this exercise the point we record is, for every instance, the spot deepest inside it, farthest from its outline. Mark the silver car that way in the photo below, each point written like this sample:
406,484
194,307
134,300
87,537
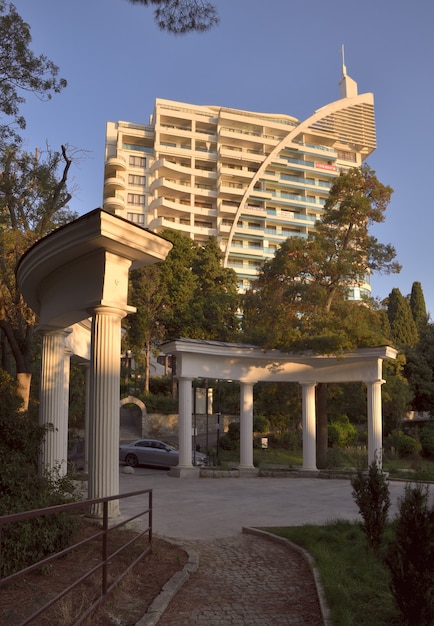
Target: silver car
154,453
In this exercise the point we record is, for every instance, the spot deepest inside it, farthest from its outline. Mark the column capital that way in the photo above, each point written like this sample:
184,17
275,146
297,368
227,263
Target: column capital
108,309
53,330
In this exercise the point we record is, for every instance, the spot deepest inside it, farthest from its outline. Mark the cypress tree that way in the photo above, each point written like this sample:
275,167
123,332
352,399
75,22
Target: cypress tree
402,325
417,305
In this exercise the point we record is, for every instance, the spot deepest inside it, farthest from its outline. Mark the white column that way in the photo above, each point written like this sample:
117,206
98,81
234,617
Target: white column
185,468
103,475
54,401
375,427
309,426
86,417
246,426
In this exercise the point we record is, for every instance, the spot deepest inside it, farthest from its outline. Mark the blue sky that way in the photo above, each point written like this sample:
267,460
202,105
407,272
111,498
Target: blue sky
277,56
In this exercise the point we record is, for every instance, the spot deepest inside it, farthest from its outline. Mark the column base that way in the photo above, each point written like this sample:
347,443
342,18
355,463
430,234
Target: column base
309,471
184,472
248,472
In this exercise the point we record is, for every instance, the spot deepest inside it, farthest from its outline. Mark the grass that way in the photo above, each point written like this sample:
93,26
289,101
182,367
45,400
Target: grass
355,581
408,468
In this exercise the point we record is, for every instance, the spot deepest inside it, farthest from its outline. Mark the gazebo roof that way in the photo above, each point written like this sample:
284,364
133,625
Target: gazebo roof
250,363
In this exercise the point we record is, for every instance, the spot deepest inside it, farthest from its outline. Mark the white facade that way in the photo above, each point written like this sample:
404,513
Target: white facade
249,179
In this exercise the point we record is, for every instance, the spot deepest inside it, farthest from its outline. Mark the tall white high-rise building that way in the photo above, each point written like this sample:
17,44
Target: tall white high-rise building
249,179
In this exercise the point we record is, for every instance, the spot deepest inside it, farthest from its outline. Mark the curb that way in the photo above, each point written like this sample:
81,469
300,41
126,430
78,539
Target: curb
325,611
170,589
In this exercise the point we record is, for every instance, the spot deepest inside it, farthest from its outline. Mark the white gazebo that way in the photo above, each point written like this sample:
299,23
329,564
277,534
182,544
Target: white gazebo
76,280
249,365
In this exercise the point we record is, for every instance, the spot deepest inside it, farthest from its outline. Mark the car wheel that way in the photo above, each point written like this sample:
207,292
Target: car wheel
131,460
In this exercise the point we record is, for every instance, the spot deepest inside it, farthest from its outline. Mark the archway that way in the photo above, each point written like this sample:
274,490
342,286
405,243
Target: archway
133,424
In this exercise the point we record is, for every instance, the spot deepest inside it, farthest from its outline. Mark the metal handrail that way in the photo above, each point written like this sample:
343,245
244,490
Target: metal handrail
102,533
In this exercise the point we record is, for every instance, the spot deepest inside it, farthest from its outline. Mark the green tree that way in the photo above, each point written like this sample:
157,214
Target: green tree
418,306
216,299
144,328
189,294
299,300
182,16
33,201
21,72
178,284
402,325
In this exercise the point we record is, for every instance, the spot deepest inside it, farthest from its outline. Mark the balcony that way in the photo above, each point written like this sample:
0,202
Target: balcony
114,182
114,204
117,162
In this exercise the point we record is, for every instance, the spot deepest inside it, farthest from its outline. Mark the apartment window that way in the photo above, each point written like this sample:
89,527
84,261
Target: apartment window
135,179
137,161
136,198
136,218
347,156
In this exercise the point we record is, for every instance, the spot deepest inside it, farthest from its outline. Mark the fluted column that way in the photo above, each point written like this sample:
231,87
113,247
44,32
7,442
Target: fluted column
375,427
246,426
185,468
86,417
309,426
103,475
54,401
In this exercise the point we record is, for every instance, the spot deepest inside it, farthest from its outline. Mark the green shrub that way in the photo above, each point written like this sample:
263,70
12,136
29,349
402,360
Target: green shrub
341,433
427,441
404,445
261,424
410,558
231,439
371,494
158,403
23,488
288,440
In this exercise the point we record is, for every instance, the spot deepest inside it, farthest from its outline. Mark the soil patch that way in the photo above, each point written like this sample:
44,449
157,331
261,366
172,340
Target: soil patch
124,606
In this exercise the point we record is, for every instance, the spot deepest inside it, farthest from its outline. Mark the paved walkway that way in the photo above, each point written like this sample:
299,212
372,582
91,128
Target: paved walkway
245,581
242,580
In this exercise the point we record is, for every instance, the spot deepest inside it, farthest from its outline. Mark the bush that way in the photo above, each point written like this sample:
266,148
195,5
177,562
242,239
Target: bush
371,494
261,424
231,439
410,558
22,488
159,403
404,445
341,433
427,441
288,440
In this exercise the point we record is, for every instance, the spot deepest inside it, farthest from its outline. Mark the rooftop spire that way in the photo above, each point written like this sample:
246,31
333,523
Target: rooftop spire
347,85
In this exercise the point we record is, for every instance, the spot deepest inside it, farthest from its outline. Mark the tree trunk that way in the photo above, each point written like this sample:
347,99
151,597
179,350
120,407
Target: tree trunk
24,380
321,426
147,364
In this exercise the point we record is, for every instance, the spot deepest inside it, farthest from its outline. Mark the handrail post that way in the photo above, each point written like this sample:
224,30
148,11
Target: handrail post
150,515
104,548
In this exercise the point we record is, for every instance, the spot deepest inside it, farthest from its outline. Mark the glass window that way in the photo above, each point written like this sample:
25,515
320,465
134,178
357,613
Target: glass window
136,198
136,179
137,161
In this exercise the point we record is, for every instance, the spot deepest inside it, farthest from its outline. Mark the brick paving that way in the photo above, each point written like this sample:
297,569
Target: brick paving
245,580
